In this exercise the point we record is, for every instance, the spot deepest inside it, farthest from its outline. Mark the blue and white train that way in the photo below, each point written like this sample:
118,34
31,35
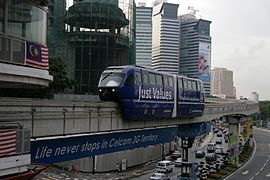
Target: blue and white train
148,94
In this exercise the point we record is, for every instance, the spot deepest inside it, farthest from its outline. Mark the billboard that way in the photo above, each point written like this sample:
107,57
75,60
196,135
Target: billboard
58,149
204,62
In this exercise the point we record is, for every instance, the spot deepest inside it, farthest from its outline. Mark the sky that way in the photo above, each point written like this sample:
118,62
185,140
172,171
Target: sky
240,32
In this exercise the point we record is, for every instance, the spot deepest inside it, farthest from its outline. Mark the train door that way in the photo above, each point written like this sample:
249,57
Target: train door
145,94
168,95
132,84
159,92
129,86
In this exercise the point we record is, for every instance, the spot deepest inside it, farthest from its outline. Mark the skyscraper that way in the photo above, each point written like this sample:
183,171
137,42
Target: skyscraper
222,83
165,48
254,96
195,49
143,35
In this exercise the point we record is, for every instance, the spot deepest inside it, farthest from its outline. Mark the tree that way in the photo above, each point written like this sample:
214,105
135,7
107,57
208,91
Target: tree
58,69
264,109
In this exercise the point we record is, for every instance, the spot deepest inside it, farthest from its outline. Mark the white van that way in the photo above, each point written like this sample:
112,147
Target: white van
164,166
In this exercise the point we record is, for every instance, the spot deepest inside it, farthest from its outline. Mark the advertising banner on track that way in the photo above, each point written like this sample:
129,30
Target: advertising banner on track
58,149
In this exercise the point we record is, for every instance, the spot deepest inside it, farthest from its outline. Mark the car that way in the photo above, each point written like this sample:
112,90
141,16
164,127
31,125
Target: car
199,154
209,157
215,130
218,141
178,162
219,134
225,131
219,150
211,147
176,154
164,166
160,176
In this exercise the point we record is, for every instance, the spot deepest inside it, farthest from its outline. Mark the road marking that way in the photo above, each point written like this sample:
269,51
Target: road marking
245,172
257,173
251,178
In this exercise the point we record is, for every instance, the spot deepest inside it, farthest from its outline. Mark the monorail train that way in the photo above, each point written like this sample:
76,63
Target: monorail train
148,94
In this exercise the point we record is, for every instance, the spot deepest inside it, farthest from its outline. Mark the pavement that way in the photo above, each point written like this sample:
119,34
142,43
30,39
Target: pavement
55,173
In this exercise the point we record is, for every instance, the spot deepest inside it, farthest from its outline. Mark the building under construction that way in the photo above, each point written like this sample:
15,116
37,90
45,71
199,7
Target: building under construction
97,34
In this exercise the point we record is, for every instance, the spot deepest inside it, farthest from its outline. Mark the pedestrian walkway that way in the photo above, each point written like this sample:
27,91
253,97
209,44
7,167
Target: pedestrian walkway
54,173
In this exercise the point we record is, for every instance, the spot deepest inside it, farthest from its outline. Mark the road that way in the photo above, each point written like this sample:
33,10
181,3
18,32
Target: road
258,168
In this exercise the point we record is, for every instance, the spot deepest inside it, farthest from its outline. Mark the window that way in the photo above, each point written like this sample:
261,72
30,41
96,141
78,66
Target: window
159,80
110,79
170,81
194,86
27,21
130,80
145,78
1,15
152,78
189,85
166,83
180,83
185,84
199,86
138,78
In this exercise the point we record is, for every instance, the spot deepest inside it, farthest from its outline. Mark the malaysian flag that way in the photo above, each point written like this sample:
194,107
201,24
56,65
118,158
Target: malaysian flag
7,142
36,55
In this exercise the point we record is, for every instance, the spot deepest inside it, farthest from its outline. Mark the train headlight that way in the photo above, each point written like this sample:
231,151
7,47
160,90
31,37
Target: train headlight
100,90
113,90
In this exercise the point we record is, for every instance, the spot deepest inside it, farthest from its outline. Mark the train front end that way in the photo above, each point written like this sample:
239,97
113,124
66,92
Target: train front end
109,83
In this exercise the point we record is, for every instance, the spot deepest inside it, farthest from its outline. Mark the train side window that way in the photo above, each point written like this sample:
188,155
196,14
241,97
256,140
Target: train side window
159,79
138,78
180,83
145,78
170,81
130,80
189,85
199,86
166,83
185,84
194,86
152,78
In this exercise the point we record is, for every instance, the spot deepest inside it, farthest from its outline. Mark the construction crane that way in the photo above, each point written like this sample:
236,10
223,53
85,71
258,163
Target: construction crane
192,10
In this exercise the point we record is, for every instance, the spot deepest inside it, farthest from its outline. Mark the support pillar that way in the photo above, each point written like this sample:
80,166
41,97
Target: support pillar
234,139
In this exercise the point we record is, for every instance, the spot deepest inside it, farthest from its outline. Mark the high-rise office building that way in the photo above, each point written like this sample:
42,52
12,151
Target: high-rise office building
143,35
222,83
254,96
195,49
165,48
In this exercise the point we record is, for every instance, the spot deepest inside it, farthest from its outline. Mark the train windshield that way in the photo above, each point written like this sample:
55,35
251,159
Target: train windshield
110,79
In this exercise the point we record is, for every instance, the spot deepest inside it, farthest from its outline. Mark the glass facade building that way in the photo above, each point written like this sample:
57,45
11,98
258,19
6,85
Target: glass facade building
195,49
143,35
98,33
23,31
22,21
165,48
